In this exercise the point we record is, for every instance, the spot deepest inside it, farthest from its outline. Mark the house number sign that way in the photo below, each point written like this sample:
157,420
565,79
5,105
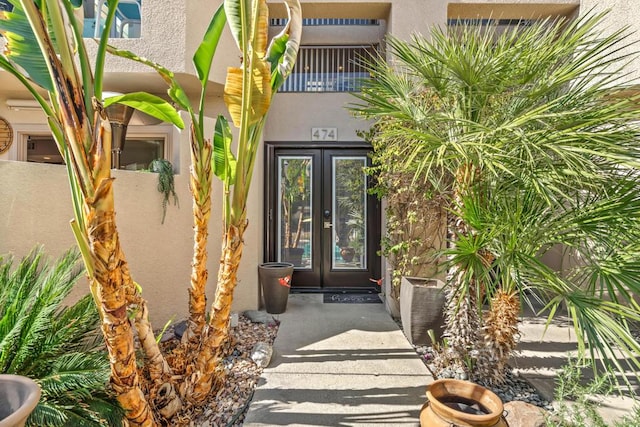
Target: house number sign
324,134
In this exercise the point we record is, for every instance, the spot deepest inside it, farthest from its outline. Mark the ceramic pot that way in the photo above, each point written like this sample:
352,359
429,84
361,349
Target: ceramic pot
461,403
275,282
18,398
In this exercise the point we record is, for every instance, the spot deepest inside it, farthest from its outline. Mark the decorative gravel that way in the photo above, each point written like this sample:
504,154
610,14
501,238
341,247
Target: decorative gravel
515,387
228,407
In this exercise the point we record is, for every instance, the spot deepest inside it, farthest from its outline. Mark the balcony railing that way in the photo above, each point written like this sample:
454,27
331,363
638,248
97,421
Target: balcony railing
316,22
329,69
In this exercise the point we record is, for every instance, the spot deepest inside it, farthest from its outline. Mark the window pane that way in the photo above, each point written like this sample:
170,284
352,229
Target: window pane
294,210
43,149
127,22
349,213
138,153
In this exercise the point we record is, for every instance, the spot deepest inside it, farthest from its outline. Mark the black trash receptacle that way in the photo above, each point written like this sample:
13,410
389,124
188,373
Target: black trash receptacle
275,281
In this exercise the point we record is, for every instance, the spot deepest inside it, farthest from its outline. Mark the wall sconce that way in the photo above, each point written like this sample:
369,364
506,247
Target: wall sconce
119,116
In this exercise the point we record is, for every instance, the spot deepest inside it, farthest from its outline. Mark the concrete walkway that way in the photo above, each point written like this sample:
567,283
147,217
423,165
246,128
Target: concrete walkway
339,365
350,365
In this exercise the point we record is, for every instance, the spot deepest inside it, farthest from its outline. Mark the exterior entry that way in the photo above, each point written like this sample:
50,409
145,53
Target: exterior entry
320,217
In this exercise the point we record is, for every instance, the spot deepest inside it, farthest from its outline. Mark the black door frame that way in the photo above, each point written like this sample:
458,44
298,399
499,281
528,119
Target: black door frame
270,237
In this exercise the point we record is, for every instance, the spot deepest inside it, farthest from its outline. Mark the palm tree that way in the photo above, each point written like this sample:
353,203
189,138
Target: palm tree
531,134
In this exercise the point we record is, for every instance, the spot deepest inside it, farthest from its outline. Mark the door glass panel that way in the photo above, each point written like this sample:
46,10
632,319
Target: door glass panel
349,213
294,210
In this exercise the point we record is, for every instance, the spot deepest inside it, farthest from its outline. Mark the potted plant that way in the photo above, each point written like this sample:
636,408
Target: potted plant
294,187
455,402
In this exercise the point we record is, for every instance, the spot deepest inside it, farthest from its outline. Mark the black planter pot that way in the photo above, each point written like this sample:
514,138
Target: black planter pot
18,398
275,282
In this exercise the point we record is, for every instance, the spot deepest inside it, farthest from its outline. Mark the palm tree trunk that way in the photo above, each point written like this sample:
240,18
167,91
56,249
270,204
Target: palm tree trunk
207,373
500,335
462,317
111,285
200,185
296,239
462,324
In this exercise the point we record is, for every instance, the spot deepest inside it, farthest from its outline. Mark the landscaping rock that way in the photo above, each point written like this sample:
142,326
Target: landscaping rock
263,317
522,414
261,354
179,329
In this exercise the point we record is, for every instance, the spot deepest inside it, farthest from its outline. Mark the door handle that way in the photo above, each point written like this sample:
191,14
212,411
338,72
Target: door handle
327,224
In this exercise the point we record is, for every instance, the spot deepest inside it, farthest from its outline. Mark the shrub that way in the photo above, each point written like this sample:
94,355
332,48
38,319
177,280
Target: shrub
56,346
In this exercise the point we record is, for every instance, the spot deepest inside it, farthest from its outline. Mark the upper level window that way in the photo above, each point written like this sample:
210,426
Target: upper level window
127,23
329,69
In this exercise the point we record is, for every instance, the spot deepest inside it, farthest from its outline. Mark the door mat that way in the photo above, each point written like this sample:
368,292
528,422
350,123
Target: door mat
352,299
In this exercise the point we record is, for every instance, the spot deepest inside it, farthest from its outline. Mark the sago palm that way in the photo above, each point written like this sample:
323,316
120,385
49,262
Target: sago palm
540,113
59,347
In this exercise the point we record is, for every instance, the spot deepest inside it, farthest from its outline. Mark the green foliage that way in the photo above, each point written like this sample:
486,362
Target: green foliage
531,139
58,347
578,402
149,104
414,214
166,185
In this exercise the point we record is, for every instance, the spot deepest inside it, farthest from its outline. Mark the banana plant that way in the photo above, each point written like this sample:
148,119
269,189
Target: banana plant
45,52
248,92
43,38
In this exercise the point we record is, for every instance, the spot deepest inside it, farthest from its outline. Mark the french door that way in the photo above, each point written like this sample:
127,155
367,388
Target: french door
321,218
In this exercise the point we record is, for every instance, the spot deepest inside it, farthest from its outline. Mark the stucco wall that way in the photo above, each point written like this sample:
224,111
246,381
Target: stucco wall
36,209
292,116
622,13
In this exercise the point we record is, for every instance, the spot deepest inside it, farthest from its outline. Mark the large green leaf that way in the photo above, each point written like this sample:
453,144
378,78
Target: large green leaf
22,46
233,9
224,162
149,104
175,91
203,57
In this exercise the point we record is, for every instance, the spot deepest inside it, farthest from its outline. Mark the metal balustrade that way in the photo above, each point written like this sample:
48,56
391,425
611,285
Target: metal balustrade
316,22
329,69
